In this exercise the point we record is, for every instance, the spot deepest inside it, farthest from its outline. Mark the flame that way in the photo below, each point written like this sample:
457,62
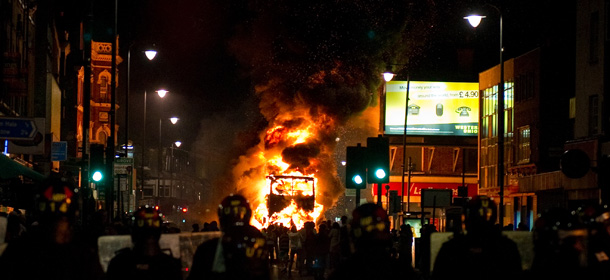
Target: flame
289,195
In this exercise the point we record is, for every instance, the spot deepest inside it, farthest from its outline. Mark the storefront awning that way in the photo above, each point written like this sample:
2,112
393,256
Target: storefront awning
12,169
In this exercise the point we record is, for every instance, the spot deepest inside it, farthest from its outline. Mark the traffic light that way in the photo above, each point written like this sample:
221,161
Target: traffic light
97,166
378,160
355,166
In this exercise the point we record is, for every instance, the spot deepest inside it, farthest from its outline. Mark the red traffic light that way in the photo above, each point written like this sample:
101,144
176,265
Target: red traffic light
156,207
184,210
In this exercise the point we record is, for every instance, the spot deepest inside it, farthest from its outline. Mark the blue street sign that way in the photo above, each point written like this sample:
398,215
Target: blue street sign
17,129
59,151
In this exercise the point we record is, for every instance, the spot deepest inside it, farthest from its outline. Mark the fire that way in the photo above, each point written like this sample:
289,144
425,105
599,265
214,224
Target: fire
289,195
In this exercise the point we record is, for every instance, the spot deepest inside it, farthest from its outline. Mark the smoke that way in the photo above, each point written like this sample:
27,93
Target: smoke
317,64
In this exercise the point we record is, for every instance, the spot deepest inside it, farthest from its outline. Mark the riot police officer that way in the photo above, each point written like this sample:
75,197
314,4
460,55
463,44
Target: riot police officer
53,249
240,252
370,232
145,260
482,252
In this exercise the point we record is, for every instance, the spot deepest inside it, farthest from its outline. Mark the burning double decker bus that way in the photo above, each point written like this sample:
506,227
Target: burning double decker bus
289,200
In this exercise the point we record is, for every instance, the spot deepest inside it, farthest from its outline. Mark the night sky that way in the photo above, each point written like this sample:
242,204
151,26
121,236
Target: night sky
214,56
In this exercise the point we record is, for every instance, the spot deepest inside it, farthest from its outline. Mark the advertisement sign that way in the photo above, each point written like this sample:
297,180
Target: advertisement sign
417,188
435,108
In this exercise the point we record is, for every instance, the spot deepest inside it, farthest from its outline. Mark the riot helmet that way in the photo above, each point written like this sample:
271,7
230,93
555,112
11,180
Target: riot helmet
56,200
234,210
370,225
147,223
480,213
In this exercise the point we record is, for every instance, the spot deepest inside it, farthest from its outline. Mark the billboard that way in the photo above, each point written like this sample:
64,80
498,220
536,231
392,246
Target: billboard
435,108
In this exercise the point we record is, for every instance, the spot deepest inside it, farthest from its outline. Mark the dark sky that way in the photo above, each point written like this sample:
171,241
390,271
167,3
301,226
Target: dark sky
213,54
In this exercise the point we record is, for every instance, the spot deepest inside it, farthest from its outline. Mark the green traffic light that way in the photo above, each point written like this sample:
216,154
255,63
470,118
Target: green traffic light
97,176
357,179
380,173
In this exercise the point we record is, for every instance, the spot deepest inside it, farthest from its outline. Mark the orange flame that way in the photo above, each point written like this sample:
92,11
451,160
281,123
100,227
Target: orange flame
288,196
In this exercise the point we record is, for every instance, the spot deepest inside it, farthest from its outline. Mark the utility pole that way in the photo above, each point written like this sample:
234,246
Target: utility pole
86,199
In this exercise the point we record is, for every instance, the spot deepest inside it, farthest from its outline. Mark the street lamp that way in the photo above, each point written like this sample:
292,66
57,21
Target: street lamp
388,76
150,54
171,167
173,120
474,20
161,94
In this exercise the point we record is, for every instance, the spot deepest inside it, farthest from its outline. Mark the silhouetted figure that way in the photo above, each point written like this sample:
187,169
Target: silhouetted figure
296,248
559,246
309,246
214,226
424,251
483,252
284,246
271,243
321,250
195,227
370,231
145,260
405,247
240,253
344,240
53,250
335,245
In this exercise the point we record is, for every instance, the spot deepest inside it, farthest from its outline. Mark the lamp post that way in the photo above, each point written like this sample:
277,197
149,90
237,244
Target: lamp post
475,20
161,94
171,167
173,120
150,54
388,76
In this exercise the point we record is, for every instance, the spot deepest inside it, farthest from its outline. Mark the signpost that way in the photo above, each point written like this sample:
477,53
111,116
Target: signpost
59,151
123,168
17,128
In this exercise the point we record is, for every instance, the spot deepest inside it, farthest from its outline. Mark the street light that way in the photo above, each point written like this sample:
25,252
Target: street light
388,76
171,167
161,94
474,20
173,120
150,54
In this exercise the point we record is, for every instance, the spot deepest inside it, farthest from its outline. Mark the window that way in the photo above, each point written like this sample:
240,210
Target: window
164,191
103,88
524,145
593,114
147,191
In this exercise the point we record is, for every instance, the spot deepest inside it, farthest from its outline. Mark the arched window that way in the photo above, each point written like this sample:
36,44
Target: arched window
104,83
102,137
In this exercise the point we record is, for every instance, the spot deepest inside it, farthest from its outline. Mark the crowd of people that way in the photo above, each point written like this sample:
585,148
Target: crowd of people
565,244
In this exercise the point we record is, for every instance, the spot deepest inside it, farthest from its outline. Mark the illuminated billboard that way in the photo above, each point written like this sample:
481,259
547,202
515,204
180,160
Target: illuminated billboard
435,108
